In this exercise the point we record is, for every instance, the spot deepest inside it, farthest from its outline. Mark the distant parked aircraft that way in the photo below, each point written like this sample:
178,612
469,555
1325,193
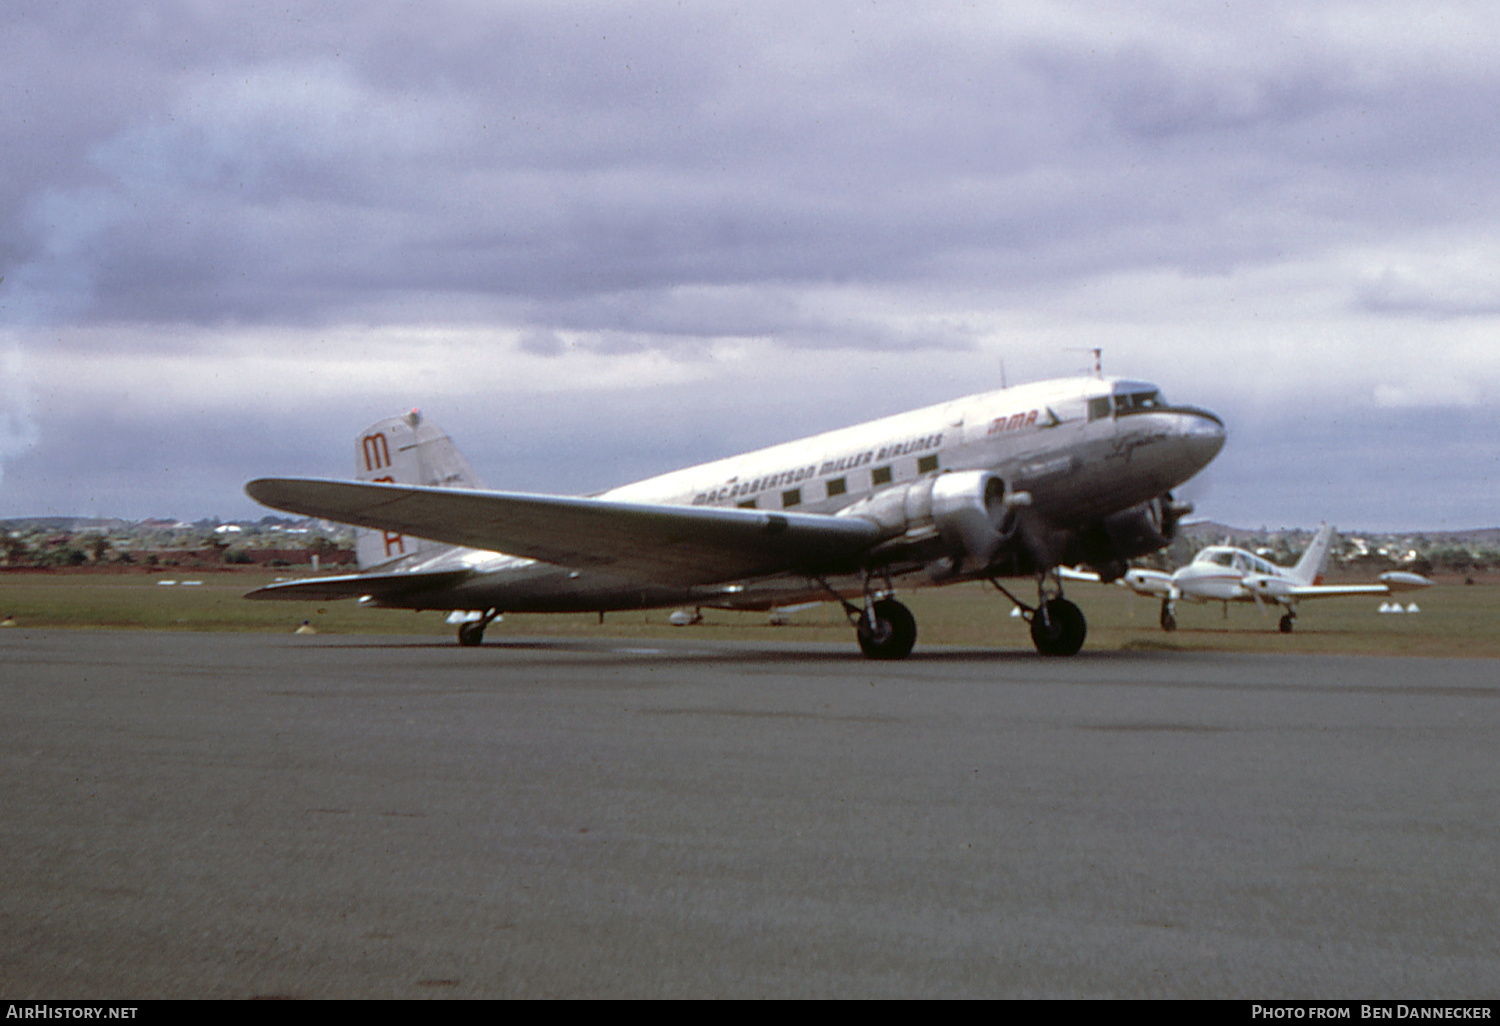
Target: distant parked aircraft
1222,573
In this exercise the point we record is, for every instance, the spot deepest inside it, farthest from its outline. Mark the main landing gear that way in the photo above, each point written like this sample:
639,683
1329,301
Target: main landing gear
471,632
1058,626
1169,621
884,628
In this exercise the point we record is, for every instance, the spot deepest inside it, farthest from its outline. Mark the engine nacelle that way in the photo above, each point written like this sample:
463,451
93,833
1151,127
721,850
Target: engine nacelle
1277,589
1145,528
952,521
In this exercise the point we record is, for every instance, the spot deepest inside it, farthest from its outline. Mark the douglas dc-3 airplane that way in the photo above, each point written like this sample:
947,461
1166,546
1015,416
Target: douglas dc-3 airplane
1013,483
1222,573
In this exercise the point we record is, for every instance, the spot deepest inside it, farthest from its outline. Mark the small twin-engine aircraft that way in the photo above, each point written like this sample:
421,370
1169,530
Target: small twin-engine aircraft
1013,483
1222,573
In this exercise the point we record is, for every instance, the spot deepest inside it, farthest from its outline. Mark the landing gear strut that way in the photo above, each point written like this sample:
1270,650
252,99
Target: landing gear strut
1168,618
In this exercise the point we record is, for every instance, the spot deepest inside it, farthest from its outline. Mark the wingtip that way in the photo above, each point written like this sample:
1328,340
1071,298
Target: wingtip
259,488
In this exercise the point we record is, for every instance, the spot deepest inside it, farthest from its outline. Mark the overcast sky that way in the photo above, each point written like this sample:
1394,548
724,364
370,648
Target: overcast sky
600,241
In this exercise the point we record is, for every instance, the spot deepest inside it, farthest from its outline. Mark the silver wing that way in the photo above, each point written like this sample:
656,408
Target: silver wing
656,543
405,584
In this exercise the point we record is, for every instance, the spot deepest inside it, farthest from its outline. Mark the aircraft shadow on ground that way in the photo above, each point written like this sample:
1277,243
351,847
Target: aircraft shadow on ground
678,651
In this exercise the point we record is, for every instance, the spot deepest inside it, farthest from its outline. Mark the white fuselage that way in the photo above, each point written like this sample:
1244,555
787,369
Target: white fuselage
1221,573
1038,437
1078,450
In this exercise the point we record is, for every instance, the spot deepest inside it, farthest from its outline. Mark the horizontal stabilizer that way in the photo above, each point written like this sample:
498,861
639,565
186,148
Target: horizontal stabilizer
648,542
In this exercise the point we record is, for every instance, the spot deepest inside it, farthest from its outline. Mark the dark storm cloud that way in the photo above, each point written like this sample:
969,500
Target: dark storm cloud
659,186
287,165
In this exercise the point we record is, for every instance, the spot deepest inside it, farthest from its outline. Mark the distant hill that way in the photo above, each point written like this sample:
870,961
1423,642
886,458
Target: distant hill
1210,531
64,524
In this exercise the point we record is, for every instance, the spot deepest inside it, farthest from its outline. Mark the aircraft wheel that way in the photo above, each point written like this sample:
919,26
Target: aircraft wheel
1168,621
470,634
894,633
1063,630
1286,624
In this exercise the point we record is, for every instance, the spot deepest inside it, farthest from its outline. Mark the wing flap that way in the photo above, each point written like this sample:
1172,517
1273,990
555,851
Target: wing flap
663,543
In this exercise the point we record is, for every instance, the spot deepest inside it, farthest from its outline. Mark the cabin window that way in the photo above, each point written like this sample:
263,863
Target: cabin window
837,486
927,464
880,476
791,498
747,504
1099,408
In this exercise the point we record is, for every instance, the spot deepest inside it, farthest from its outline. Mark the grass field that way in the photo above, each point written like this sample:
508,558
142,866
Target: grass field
1454,620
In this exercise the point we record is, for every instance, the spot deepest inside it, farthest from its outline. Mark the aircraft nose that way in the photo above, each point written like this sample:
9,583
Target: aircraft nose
1202,434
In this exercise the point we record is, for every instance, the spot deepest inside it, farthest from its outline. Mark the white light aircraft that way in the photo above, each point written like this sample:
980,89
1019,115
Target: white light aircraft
1222,573
1013,483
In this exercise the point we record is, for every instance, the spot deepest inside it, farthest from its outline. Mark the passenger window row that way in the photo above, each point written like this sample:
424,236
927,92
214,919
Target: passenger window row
836,486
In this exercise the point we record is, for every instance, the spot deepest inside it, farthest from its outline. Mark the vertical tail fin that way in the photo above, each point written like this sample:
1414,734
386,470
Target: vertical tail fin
1309,569
406,450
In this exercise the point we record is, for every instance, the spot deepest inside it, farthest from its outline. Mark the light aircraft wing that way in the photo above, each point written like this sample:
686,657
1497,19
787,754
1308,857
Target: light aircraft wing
1392,583
1280,589
1069,573
652,542
1311,591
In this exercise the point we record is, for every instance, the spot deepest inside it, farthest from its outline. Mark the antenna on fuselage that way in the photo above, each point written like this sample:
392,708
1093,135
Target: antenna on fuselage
1098,359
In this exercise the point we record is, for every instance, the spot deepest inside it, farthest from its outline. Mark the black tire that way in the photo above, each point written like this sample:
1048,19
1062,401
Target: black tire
1061,631
470,634
894,633
1286,624
1168,621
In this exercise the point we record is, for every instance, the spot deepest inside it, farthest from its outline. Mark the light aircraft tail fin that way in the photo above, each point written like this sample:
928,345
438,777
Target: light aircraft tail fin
406,450
1309,569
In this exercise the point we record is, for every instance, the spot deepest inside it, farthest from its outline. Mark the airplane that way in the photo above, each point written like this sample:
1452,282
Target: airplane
1011,483
1223,573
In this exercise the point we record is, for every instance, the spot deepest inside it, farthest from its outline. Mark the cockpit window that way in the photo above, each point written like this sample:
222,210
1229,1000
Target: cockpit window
1136,401
1223,558
1099,407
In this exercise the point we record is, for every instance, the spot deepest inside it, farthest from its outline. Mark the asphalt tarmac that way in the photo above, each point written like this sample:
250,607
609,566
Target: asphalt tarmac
238,815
